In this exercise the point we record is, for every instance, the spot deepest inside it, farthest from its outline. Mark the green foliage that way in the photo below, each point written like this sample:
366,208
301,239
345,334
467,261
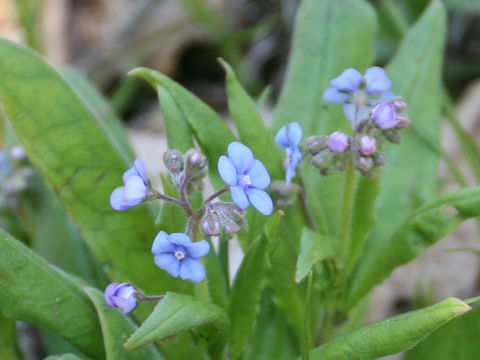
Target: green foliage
456,340
46,296
392,335
174,314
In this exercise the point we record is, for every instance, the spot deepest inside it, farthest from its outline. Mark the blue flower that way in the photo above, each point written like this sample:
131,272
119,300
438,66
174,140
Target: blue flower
178,255
288,138
121,296
247,178
359,93
135,189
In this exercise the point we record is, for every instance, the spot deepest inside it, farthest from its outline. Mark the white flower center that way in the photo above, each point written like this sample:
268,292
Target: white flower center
245,180
179,254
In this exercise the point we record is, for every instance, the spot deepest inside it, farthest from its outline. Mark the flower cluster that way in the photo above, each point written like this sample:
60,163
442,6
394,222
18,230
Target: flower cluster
176,253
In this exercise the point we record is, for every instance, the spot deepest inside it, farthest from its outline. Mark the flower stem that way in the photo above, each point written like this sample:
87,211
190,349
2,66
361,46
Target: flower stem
302,196
347,208
217,194
167,198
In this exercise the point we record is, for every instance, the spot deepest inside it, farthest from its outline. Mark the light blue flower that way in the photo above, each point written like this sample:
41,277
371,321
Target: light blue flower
121,296
359,93
247,178
288,138
135,190
178,255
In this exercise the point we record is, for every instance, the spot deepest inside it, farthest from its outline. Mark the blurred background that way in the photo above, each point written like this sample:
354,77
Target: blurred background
104,39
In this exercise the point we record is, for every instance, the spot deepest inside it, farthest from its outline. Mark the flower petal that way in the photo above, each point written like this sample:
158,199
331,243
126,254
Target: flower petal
168,262
377,80
192,269
281,138
139,166
117,200
349,80
135,189
294,134
109,292
239,197
180,239
241,156
260,200
333,95
259,176
227,170
198,249
161,244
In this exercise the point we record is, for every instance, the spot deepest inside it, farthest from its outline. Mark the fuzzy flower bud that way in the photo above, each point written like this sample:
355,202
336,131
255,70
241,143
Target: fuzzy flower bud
379,159
121,296
284,194
363,163
18,153
222,217
211,227
317,143
173,160
338,142
367,145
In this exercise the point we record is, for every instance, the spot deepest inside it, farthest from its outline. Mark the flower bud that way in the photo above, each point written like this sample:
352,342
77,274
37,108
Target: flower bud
18,153
195,160
284,194
322,159
211,227
393,136
363,163
379,159
338,142
173,160
222,217
384,116
317,143
367,145
121,296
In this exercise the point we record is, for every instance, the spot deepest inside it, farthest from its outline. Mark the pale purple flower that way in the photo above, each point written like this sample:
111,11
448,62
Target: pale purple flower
121,296
18,153
389,115
367,145
247,178
338,142
359,93
135,190
288,138
178,255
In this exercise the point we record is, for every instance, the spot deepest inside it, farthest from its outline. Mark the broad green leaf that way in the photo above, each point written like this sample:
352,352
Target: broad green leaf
99,106
8,340
273,337
323,46
179,135
363,217
252,130
415,73
392,335
116,328
211,132
424,227
456,340
314,247
173,315
246,291
82,161
36,292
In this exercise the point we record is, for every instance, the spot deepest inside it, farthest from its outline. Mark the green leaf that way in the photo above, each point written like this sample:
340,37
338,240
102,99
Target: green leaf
173,315
415,74
467,6
179,135
82,161
8,340
217,281
116,328
99,106
252,130
314,247
247,288
323,47
424,227
390,336
36,292
211,132
456,340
